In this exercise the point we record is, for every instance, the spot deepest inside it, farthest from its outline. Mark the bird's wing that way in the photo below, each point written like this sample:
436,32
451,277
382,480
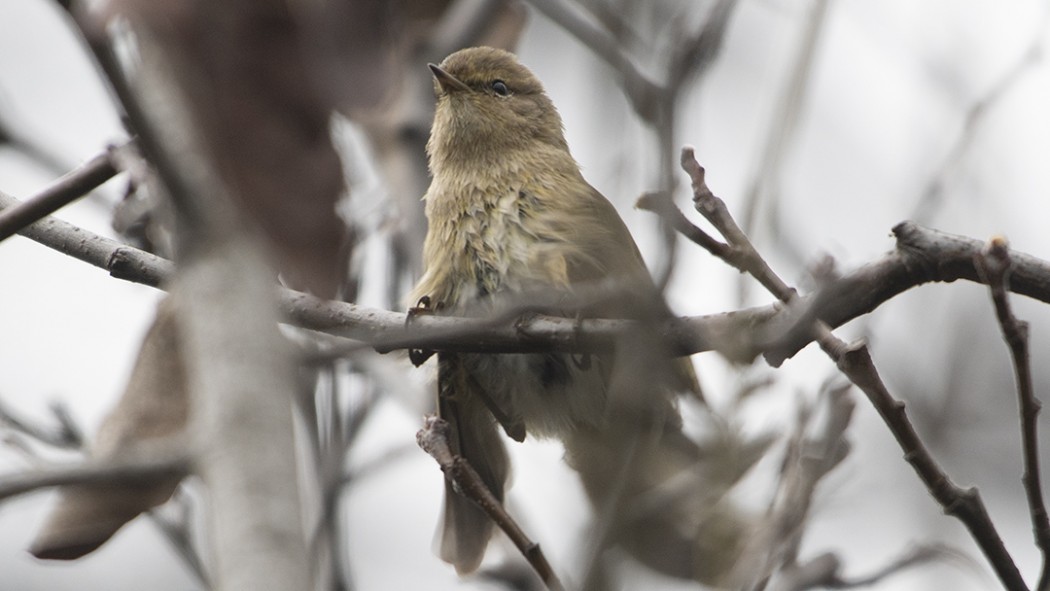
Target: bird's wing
607,252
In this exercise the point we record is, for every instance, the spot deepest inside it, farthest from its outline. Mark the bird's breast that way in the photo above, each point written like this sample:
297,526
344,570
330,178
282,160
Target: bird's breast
489,241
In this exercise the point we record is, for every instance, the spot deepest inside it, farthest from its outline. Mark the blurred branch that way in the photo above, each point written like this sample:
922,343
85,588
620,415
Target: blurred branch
993,262
692,56
239,369
433,439
824,571
66,435
27,142
809,460
655,102
854,360
973,119
640,90
135,469
177,532
784,123
461,25
70,187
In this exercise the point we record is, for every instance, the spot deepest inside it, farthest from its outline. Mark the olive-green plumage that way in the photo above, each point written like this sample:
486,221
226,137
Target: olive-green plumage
510,216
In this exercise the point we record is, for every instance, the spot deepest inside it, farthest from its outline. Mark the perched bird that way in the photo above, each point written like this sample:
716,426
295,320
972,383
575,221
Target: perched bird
512,221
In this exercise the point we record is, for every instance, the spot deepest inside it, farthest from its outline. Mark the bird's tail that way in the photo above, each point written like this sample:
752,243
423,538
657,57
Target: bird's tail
465,529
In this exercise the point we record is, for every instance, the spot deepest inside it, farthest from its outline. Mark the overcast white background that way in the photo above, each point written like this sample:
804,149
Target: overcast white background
892,83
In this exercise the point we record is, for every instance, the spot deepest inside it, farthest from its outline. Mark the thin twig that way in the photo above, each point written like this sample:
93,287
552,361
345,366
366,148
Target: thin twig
994,263
68,188
676,219
716,212
433,439
122,261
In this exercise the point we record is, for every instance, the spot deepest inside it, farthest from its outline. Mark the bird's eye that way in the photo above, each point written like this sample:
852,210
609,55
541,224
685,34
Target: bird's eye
500,88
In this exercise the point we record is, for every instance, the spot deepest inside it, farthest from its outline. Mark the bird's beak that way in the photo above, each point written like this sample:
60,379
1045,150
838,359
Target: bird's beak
447,81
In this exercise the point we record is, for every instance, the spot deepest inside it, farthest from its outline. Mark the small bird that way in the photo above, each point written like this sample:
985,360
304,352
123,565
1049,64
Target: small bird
512,221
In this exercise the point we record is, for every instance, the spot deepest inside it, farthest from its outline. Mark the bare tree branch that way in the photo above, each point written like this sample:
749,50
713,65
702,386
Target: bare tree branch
387,331
994,264
922,255
70,187
433,439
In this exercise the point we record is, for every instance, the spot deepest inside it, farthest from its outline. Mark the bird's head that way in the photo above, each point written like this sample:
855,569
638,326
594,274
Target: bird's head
488,103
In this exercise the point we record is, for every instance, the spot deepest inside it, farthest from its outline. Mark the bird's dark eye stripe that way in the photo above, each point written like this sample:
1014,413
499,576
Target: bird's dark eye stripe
500,87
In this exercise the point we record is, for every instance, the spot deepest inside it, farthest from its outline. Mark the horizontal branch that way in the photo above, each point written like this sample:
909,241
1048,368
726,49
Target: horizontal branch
922,255
141,469
387,331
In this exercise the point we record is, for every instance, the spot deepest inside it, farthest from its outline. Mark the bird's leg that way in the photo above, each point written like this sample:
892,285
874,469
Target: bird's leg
423,306
582,361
